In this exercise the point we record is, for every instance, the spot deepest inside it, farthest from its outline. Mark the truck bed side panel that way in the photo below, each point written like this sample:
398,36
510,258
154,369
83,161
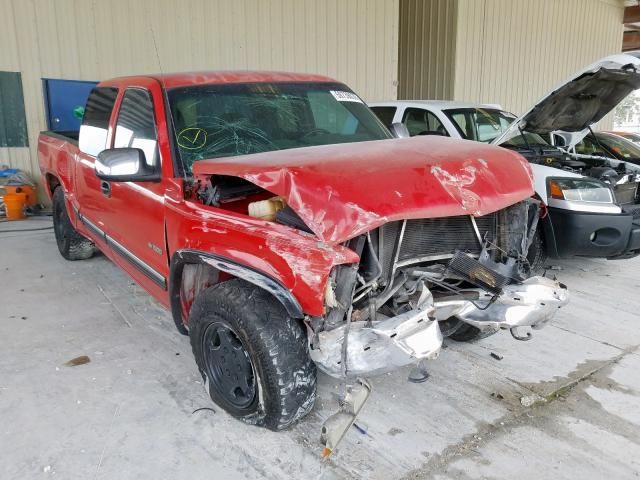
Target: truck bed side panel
56,155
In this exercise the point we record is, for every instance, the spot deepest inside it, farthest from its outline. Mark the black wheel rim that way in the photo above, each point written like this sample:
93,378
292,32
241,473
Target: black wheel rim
228,365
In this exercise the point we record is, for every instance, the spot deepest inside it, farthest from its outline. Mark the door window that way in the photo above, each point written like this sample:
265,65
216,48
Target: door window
136,126
385,114
423,122
95,122
480,124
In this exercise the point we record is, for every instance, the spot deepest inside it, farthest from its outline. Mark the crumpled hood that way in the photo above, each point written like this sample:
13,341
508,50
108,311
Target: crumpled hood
344,190
583,99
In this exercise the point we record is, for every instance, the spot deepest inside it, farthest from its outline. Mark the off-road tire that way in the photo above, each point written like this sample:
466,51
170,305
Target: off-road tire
71,244
469,333
537,254
275,343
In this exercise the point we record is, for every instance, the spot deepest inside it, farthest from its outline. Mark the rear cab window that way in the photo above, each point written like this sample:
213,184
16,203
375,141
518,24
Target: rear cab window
95,121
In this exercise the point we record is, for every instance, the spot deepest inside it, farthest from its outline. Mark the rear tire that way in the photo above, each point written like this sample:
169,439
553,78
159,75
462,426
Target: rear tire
71,244
252,356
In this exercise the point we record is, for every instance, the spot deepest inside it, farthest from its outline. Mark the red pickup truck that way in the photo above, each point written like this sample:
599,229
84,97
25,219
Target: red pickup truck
286,229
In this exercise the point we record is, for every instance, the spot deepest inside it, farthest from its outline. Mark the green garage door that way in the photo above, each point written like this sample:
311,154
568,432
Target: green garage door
13,122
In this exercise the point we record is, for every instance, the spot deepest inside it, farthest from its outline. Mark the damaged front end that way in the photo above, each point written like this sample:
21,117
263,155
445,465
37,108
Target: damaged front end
442,234
417,275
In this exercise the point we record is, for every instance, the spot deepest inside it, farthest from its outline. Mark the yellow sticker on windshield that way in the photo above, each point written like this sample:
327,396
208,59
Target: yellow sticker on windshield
192,138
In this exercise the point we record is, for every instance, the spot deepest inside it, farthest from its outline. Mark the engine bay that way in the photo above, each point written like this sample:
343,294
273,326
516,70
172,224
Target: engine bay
622,177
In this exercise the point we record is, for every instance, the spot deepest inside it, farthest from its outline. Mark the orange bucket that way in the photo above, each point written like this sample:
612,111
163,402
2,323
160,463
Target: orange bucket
26,189
14,204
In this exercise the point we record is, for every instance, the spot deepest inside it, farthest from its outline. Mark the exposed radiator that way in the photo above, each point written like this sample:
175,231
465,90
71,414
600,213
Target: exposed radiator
443,236
433,237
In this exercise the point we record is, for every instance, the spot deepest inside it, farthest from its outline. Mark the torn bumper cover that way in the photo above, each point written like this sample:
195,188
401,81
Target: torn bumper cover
380,346
531,303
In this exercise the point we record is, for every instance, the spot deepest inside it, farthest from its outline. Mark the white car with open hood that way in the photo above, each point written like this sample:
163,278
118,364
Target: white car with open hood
592,205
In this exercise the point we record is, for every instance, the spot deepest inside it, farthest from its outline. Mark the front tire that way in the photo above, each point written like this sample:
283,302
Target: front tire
71,244
463,332
252,356
537,254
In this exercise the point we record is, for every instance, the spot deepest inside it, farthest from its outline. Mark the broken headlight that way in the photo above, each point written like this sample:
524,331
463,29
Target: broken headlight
581,194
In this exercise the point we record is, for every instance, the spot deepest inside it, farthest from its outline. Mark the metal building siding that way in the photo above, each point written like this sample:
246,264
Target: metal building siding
426,49
354,41
512,52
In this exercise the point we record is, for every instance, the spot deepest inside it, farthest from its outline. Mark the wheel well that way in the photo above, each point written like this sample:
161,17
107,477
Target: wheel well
52,182
194,271
197,277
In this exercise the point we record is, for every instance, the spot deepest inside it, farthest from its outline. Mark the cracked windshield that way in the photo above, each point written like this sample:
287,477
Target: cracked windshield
227,120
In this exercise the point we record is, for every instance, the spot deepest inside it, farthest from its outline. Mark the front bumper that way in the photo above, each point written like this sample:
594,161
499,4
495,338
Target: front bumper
531,303
570,233
380,347
385,345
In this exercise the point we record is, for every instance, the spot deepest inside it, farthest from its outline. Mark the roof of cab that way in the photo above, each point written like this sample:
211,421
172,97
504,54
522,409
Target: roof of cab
186,79
434,104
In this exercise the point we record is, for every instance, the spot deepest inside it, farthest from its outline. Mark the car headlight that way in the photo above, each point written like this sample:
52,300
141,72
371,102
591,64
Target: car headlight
581,194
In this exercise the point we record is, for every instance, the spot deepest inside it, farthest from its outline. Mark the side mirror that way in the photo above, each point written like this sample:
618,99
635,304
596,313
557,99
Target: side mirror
399,130
125,165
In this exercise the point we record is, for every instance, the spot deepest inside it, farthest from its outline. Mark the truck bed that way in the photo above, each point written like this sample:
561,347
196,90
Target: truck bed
56,154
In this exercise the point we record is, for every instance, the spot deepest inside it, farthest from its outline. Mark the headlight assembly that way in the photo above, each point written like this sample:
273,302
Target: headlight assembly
581,194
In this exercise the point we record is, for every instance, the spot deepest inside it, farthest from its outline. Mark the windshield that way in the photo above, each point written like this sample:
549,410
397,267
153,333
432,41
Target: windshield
632,137
525,139
480,124
213,121
619,146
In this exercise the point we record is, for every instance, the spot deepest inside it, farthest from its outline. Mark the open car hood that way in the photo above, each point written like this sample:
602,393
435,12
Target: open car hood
582,100
343,190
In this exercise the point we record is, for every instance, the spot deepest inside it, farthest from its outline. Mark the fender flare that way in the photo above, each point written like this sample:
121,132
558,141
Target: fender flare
180,258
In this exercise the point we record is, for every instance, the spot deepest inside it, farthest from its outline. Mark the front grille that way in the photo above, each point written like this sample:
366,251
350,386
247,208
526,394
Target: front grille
444,236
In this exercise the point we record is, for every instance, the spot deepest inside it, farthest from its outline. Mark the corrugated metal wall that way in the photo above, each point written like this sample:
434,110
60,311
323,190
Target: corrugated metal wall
426,49
354,41
514,51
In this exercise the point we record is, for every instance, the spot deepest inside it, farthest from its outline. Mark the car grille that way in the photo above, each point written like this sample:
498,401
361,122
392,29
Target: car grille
433,238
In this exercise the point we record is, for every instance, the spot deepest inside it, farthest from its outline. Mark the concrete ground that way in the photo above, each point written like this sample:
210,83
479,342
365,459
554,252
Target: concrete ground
128,413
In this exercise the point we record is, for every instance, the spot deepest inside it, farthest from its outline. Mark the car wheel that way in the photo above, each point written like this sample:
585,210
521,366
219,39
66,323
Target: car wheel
463,332
537,254
252,356
71,244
